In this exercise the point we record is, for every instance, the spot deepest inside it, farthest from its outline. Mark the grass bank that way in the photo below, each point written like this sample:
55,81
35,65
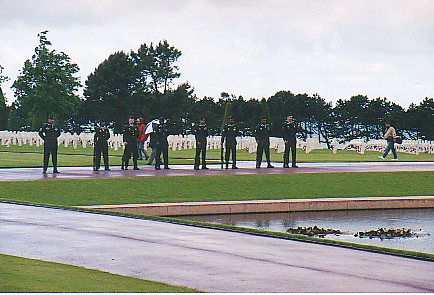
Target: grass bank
30,275
76,192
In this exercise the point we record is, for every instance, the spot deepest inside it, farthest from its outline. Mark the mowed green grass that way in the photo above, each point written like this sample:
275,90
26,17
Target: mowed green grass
217,188
31,156
29,275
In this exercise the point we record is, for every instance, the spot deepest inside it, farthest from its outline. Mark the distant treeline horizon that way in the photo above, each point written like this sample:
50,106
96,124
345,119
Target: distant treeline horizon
141,84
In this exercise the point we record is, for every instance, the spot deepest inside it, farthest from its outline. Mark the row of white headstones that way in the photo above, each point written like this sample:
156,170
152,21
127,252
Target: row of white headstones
407,146
248,143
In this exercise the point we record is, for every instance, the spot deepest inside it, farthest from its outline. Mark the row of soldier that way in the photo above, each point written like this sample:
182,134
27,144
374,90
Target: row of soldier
134,136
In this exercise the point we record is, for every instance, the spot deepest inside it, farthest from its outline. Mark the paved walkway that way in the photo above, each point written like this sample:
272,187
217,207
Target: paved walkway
246,167
209,260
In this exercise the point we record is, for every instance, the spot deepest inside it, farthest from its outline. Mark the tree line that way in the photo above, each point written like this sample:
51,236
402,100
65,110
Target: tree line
142,84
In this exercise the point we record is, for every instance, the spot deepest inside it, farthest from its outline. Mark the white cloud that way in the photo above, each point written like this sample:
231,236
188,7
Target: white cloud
252,48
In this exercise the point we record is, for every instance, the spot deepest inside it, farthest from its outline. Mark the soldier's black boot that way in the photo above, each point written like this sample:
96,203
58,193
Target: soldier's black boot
196,167
270,166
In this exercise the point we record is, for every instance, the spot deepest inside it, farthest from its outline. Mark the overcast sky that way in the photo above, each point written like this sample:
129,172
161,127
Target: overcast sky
252,48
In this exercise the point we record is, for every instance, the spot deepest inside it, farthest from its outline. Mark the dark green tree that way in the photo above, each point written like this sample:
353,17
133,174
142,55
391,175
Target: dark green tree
47,85
377,110
423,119
177,107
3,107
323,118
109,91
155,69
17,118
210,109
265,112
227,113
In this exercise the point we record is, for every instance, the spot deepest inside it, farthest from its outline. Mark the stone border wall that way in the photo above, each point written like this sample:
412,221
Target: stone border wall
265,206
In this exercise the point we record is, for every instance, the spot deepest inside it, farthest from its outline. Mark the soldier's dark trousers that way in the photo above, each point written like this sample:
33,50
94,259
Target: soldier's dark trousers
131,148
50,147
231,149
101,148
165,151
262,148
289,146
200,149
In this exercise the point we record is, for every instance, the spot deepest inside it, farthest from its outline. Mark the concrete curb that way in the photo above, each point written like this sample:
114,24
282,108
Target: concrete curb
261,206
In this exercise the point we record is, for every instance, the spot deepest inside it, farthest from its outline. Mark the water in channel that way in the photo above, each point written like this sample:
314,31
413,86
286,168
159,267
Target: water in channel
352,221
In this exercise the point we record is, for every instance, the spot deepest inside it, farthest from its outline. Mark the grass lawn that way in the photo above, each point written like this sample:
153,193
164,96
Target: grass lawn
29,275
217,188
31,156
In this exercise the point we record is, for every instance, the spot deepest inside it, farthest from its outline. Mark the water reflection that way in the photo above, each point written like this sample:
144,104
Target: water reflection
346,221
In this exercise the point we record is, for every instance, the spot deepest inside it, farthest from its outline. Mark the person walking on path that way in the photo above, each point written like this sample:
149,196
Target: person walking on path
102,134
130,135
153,146
390,136
262,136
229,139
289,137
161,132
49,132
141,140
150,133
201,134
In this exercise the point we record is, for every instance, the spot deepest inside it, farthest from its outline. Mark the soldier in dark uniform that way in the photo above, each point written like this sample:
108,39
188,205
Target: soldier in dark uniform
130,135
102,134
200,133
289,137
262,136
229,134
49,132
160,136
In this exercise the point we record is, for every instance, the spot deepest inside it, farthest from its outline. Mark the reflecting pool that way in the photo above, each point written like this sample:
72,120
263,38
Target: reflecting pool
419,220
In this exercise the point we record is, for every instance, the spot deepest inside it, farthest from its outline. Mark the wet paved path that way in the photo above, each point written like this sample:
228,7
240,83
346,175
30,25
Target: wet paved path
209,260
246,167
